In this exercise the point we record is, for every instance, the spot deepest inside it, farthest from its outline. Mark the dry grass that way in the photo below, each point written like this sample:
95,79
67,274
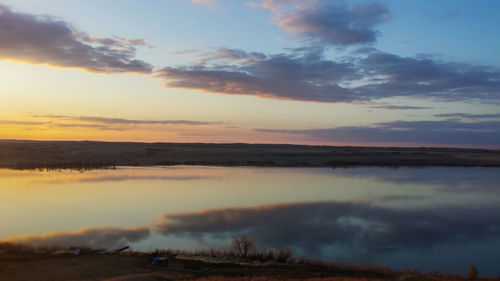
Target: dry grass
133,266
68,267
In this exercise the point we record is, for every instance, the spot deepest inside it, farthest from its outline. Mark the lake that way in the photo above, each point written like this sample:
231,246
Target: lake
429,218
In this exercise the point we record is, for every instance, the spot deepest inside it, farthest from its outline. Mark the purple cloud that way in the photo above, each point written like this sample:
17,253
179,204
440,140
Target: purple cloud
306,75
449,132
399,107
45,40
334,22
469,115
426,77
314,225
327,22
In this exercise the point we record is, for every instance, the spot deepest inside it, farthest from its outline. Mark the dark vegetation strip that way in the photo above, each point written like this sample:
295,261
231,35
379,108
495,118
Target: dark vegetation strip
97,155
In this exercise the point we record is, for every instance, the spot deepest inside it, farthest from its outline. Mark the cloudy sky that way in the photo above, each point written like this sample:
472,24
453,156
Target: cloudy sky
333,72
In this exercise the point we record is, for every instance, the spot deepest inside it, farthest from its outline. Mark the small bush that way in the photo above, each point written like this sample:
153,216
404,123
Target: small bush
283,255
473,272
271,256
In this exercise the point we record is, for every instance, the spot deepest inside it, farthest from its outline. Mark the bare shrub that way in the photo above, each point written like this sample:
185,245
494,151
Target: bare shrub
242,246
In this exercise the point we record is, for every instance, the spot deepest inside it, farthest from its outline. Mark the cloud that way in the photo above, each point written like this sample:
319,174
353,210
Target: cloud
119,121
17,122
331,22
315,225
327,22
204,1
426,77
58,125
96,122
389,198
399,107
450,132
46,40
469,115
306,75
441,15
82,125
95,237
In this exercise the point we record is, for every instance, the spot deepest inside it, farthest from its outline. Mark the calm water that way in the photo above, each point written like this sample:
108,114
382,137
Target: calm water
427,218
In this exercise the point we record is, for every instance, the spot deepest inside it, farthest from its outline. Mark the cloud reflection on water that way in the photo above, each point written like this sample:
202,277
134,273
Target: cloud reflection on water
357,232
95,237
369,215
314,225
457,179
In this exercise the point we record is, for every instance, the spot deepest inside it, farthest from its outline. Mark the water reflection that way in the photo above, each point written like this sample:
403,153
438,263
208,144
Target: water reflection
314,225
456,179
95,237
350,232
429,218
107,175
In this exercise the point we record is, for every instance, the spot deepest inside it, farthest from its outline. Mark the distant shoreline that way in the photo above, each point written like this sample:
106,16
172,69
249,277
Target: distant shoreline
19,154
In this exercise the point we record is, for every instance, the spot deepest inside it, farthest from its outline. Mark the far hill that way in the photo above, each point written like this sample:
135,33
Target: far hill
90,154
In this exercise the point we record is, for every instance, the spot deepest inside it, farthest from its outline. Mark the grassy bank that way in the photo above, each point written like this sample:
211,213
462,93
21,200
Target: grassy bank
22,262
137,266
88,155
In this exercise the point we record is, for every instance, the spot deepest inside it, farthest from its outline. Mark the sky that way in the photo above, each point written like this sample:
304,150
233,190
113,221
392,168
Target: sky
328,72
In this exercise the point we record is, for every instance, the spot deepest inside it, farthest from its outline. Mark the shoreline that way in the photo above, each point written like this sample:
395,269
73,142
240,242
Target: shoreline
132,265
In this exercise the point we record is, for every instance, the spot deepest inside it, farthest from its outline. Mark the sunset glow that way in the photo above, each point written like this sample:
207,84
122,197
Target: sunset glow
262,71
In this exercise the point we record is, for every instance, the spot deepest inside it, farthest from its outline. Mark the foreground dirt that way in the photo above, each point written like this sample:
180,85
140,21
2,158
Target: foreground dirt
136,267
32,154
